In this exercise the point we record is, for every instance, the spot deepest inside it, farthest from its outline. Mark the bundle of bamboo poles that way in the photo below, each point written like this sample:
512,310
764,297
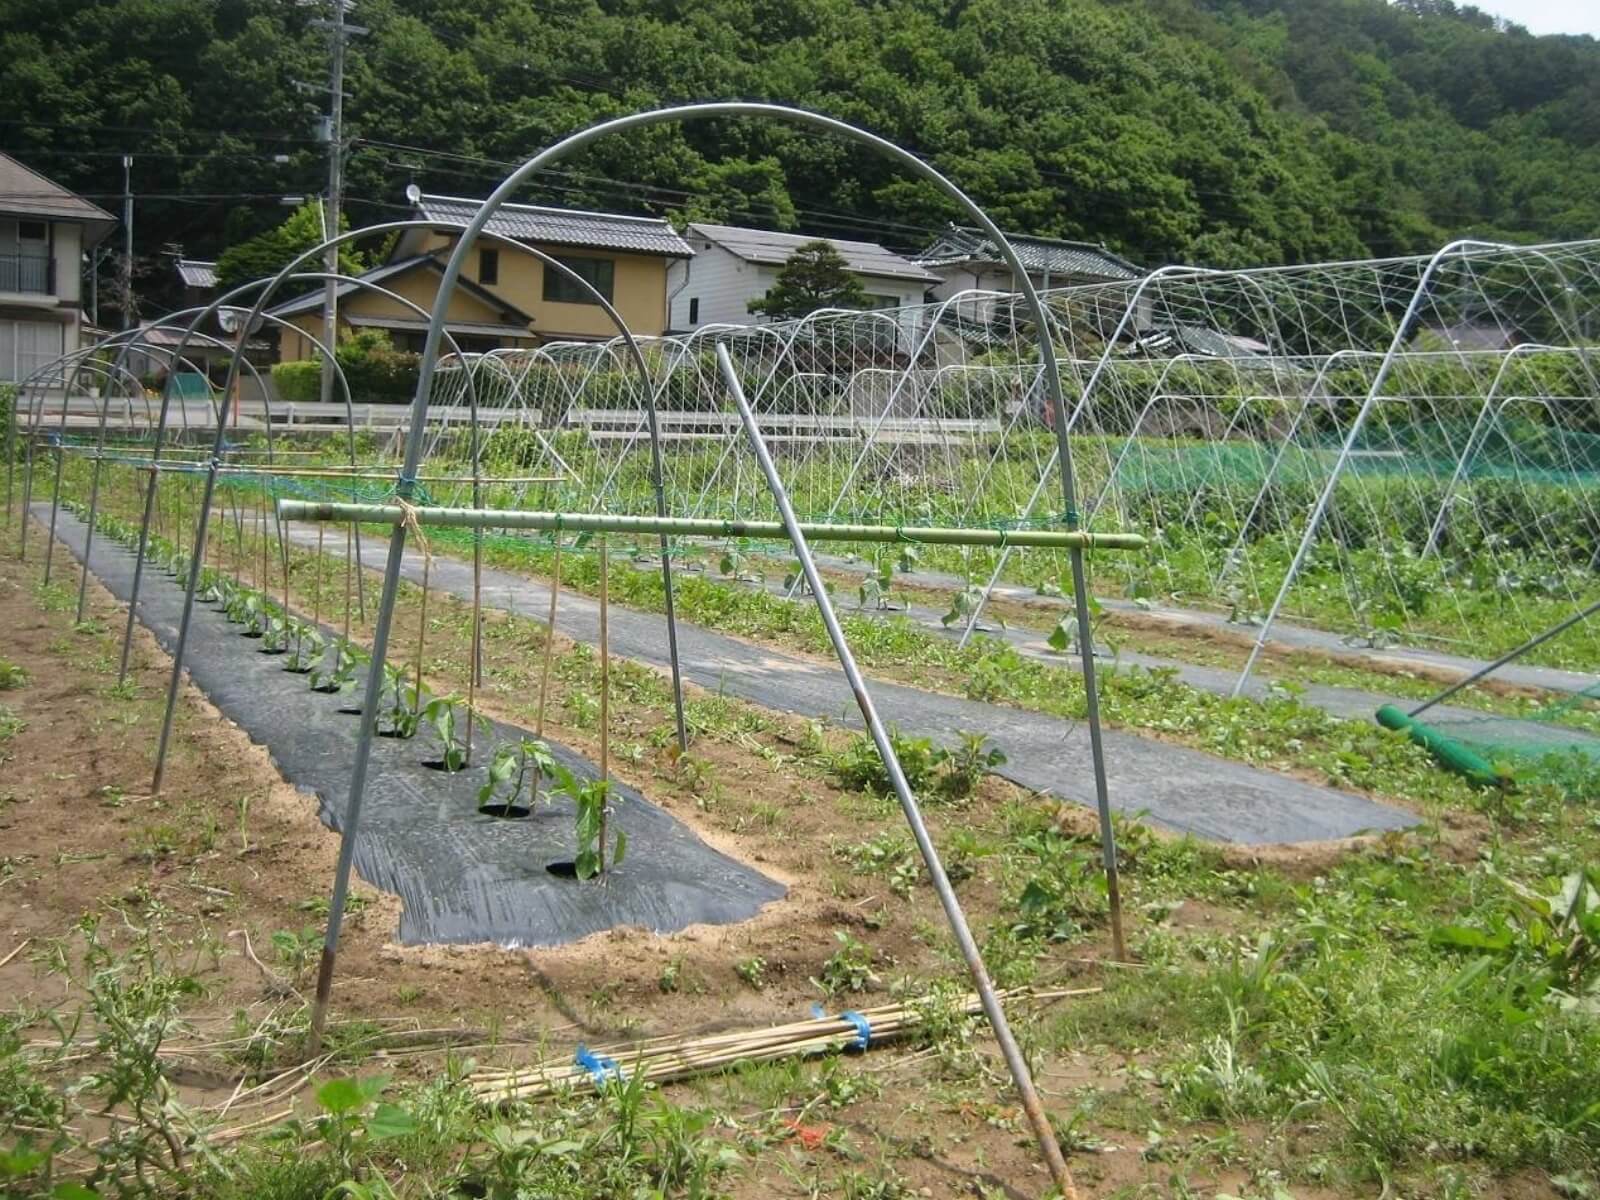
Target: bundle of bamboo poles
663,1060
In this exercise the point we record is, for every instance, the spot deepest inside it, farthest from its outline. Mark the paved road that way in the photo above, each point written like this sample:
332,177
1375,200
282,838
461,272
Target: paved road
1180,788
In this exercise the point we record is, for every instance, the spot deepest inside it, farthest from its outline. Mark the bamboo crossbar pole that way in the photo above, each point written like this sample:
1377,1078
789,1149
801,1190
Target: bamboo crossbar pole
492,518
196,465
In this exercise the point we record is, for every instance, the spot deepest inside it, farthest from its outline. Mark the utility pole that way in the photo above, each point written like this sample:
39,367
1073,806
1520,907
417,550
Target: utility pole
127,241
339,33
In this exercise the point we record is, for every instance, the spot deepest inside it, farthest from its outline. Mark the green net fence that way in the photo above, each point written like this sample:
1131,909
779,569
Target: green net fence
1554,742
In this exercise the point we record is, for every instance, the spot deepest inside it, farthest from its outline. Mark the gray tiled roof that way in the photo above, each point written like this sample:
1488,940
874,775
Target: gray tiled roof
563,226
1040,255
773,249
312,301
26,193
197,274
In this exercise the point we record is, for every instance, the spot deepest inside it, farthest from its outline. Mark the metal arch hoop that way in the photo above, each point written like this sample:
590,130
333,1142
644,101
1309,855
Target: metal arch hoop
447,287
202,522
196,316
1047,358
128,339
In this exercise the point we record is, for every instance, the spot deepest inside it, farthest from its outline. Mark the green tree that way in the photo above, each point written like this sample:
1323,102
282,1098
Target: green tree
815,276
268,253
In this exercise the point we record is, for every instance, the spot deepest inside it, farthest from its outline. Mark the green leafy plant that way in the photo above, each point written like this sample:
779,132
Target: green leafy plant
849,968
967,764
512,769
353,1118
752,970
591,798
442,715
338,671
399,704
307,645
964,605
874,589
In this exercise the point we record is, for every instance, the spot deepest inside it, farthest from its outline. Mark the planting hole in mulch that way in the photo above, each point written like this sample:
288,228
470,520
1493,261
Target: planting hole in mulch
438,764
563,870
504,812
463,878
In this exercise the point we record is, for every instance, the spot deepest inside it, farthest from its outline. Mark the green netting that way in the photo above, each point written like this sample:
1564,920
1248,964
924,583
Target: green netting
1524,452
1556,739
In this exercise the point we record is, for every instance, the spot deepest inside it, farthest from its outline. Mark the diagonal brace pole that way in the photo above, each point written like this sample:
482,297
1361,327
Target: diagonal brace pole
1012,1053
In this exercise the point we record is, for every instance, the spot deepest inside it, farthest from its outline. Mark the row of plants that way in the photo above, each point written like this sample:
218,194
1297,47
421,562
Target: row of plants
519,774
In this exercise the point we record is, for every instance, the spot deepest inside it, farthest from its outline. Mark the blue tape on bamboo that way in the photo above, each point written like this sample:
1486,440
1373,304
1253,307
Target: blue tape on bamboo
600,1067
863,1027
863,1037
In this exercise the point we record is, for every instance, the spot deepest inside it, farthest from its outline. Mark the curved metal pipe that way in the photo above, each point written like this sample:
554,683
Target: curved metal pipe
1012,1053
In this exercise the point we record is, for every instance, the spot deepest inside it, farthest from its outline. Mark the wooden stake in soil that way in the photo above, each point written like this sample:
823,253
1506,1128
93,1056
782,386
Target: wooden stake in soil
349,566
605,691
422,624
316,580
549,643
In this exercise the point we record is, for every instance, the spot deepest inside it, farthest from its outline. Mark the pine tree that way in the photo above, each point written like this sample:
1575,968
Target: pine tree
815,276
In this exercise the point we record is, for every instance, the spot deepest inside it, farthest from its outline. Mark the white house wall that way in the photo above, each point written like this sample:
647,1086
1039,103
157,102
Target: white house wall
68,254
725,284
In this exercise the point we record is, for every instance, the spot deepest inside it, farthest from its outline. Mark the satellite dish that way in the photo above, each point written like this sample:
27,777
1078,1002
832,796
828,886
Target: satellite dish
413,193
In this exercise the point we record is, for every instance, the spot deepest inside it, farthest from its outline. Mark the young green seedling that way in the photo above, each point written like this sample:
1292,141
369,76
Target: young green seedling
338,676
510,770
591,798
442,714
400,704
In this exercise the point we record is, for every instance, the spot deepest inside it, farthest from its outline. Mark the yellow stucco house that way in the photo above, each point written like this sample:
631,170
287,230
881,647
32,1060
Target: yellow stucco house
508,298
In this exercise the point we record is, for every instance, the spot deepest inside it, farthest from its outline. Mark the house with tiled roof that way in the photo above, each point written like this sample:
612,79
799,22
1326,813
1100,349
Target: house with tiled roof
734,266
967,259
505,298
626,259
45,230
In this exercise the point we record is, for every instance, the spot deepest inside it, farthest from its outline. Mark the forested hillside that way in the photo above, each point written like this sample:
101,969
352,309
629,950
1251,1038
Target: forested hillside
1217,131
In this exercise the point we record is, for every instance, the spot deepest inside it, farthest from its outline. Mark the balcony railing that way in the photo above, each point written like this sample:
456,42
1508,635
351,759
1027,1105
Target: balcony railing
27,273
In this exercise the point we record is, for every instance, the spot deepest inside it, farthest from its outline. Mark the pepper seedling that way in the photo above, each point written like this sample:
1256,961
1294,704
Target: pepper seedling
399,705
335,678
591,798
443,715
510,770
307,645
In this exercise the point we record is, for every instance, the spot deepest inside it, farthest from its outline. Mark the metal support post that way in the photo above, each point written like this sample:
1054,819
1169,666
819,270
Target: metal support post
1009,1049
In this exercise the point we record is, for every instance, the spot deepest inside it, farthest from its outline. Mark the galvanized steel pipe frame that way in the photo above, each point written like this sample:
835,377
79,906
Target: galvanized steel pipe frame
1015,1062
197,317
447,287
214,467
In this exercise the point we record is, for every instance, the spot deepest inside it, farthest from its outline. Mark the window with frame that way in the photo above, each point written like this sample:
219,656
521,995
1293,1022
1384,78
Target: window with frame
488,266
600,273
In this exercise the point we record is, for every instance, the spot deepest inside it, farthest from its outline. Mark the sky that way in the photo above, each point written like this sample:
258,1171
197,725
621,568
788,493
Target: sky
1548,16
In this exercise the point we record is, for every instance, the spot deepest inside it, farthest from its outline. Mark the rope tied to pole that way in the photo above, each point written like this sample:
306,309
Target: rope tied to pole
410,523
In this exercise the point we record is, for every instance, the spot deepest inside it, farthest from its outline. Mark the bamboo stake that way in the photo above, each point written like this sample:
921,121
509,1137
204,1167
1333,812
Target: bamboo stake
663,1060
605,693
316,594
349,561
422,625
505,518
549,644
